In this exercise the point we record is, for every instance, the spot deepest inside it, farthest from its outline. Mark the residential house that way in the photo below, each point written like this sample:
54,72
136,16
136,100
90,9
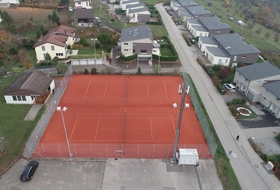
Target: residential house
233,47
84,17
251,78
198,12
139,15
123,4
9,3
207,26
137,40
183,14
187,3
82,4
134,6
30,88
55,43
271,97
174,5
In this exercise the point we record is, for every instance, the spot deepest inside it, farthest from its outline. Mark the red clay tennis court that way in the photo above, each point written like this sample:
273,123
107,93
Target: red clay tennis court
131,116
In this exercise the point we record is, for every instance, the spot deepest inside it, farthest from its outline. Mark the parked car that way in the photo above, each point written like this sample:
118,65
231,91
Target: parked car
29,171
193,41
229,87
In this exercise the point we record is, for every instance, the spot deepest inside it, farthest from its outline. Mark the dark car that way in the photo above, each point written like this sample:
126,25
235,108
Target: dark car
29,171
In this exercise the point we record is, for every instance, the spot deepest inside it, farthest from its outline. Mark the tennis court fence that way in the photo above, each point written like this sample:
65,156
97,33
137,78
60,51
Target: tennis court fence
47,115
148,151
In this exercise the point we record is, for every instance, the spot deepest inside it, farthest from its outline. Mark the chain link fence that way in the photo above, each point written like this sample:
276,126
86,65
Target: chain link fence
47,115
149,151
208,134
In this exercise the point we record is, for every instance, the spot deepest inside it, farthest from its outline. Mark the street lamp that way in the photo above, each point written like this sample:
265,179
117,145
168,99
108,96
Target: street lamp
94,39
159,54
185,90
65,131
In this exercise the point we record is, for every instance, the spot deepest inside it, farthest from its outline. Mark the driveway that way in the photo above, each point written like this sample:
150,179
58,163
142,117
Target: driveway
111,174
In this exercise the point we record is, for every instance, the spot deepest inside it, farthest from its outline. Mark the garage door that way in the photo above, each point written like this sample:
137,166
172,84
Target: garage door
250,96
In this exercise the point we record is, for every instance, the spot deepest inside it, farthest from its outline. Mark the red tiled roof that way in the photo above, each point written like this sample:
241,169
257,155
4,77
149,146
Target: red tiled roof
57,36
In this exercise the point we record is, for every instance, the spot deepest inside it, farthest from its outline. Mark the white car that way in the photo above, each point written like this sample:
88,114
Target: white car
229,87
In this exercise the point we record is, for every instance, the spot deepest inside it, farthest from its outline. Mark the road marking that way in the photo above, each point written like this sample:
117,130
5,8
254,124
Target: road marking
276,186
234,155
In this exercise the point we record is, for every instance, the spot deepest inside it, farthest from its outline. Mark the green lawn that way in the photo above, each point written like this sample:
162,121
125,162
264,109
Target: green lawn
250,36
14,132
89,50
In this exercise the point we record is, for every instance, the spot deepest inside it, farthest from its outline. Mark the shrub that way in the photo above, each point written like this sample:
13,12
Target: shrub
233,110
264,157
55,60
86,71
223,74
93,71
154,23
14,50
209,71
216,68
109,48
278,137
215,80
77,46
128,58
139,72
221,88
83,41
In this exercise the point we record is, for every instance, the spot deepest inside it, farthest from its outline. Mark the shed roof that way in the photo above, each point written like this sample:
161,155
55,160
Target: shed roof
138,10
197,10
259,71
135,5
217,51
207,40
30,83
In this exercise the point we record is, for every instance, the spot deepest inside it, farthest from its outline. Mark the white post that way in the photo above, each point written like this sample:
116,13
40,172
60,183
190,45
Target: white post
159,54
64,126
94,51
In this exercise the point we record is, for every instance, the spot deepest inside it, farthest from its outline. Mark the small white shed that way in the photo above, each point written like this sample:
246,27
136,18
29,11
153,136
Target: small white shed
188,157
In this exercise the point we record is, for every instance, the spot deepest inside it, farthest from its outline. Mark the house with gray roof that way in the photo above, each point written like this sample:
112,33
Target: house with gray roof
271,97
139,15
198,12
174,5
30,88
251,79
187,3
84,17
134,6
233,46
137,40
183,14
123,4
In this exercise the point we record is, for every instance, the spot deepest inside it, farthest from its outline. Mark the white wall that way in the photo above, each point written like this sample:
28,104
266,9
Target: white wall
9,100
48,49
135,18
199,33
215,60
83,4
270,101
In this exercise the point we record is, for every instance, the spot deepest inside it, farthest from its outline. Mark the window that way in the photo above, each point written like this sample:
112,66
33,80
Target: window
32,97
277,99
59,54
218,32
243,56
264,98
43,48
19,98
143,51
52,47
23,98
234,58
133,50
125,43
14,98
79,3
125,50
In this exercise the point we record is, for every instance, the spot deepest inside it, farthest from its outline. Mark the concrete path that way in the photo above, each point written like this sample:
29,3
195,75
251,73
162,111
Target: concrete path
244,160
32,112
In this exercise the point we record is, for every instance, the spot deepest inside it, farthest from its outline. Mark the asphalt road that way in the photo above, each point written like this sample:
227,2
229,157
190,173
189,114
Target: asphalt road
244,160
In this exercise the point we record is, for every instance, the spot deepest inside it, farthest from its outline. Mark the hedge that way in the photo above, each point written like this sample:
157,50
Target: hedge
154,23
128,58
167,58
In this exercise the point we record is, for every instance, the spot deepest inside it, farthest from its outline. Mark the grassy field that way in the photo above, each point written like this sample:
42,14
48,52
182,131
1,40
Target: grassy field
14,131
251,37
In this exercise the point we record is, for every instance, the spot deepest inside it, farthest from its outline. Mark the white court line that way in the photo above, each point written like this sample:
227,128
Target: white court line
87,89
165,90
97,128
74,127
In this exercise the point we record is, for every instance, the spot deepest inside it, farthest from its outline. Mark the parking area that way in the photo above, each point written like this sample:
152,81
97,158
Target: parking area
123,174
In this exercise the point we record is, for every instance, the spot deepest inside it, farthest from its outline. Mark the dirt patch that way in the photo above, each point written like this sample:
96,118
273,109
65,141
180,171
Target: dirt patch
23,13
